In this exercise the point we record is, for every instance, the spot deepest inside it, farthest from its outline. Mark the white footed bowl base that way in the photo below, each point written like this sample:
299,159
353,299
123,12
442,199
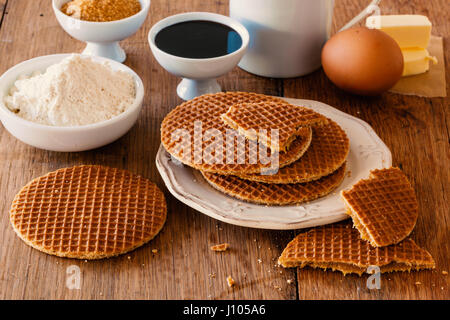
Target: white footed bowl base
110,50
189,89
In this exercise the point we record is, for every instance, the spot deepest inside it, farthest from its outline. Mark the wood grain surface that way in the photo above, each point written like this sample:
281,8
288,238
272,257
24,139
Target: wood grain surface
415,129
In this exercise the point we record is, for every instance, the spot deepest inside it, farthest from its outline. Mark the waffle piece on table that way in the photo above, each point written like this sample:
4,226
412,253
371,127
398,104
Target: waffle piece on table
275,194
328,151
88,212
198,120
250,118
383,207
339,247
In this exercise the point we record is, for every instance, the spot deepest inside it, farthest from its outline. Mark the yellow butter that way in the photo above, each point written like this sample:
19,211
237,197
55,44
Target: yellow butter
416,61
408,30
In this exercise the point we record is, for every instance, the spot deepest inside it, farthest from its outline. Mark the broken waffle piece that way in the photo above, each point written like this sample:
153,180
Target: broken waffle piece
328,151
383,207
220,247
275,194
256,121
339,247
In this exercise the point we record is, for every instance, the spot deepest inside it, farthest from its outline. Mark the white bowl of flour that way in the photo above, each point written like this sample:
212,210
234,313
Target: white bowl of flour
68,102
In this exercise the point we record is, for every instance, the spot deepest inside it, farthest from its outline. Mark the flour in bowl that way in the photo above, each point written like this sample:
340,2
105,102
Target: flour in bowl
77,91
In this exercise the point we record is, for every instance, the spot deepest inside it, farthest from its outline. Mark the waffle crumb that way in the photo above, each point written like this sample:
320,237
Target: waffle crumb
155,250
277,287
290,281
230,281
418,283
220,247
444,273
101,10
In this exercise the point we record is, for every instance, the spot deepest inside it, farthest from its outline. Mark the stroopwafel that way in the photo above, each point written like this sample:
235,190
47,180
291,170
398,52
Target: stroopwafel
256,121
88,212
195,134
275,194
328,151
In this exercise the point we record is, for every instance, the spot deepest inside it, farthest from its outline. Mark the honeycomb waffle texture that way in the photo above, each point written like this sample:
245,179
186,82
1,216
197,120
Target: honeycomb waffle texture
339,247
250,118
328,151
88,212
275,194
226,155
383,207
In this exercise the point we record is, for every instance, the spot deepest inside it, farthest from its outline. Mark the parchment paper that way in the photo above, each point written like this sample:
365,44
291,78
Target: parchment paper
428,84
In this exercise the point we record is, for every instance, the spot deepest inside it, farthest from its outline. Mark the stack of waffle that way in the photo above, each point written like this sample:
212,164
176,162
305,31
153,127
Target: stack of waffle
230,138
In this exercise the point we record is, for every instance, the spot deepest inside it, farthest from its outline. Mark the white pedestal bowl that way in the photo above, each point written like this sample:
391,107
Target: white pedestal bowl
102,38
199,75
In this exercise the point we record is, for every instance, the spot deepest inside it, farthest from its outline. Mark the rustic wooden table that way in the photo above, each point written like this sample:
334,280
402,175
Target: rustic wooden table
415,129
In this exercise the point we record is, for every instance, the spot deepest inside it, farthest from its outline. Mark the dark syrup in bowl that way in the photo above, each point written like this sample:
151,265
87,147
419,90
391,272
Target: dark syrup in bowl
198,39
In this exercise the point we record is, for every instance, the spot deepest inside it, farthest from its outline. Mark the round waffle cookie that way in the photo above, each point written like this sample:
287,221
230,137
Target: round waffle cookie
275,194
339,247
88,212
195,134
328,151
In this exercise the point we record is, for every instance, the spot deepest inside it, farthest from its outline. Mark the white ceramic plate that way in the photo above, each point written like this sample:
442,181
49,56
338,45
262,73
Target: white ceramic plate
367,152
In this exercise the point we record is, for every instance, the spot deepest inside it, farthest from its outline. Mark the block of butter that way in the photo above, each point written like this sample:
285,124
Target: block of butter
409,30
416,61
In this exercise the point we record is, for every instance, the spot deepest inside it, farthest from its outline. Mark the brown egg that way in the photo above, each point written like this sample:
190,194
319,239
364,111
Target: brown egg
362,61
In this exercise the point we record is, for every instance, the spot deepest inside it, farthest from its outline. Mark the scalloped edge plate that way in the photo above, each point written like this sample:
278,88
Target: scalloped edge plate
367,152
